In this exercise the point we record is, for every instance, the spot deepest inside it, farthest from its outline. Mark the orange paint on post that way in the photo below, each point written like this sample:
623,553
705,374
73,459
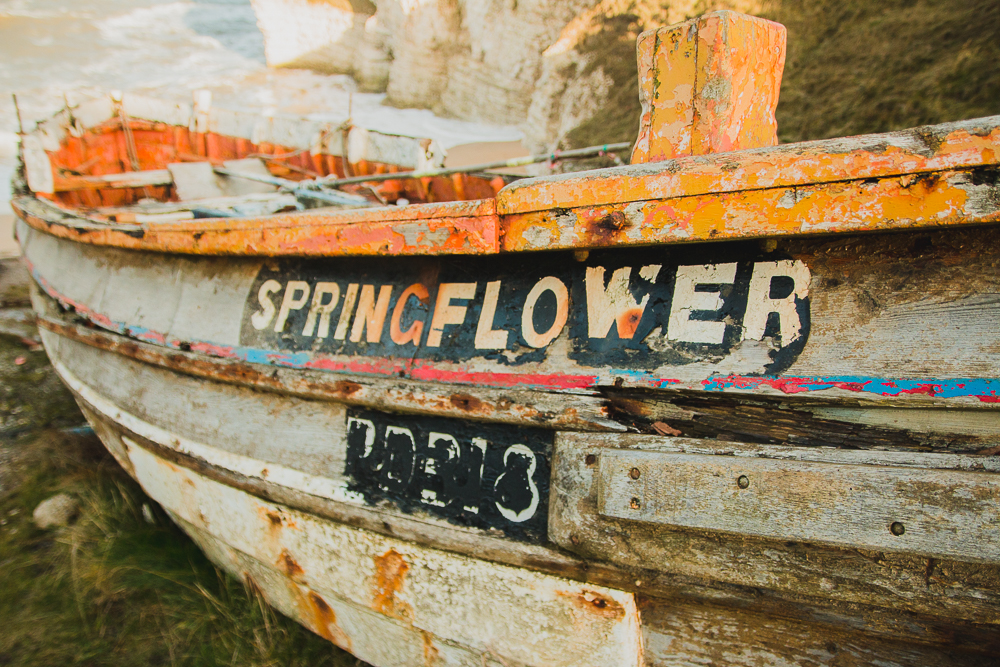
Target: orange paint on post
709,85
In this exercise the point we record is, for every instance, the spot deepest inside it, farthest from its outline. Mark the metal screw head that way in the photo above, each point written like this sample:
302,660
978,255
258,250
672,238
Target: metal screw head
634,473
743,481
634,504
896,528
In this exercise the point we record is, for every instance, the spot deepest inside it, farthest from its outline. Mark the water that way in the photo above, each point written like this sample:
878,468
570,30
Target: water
51,50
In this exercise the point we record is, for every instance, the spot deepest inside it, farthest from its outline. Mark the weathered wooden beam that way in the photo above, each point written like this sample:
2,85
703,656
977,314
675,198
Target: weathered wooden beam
461,227
936,199
954,588
680,633
708,85
520,407
133,179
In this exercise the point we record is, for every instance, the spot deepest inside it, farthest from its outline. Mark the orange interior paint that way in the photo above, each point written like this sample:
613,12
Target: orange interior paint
102,149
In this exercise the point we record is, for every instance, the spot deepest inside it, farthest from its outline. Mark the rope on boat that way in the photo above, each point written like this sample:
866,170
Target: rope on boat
321,188
328,182
302,189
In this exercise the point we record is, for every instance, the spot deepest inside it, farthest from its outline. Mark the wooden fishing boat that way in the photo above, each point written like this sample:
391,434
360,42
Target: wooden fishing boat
735,403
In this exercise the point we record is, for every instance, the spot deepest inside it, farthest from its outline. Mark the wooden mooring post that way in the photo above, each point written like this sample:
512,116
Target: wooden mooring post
709,85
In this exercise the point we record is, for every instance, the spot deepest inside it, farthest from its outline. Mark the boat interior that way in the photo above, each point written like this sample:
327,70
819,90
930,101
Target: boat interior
136,160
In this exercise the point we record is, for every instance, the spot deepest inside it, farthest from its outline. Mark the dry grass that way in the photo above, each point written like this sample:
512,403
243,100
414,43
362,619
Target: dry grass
853,66
856,66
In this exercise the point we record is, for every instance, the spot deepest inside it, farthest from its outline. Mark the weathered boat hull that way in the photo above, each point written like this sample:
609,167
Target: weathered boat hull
400,588
171,399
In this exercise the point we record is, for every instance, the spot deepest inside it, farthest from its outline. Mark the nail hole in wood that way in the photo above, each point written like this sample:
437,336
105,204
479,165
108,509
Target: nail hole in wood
590,459
634,504
634,473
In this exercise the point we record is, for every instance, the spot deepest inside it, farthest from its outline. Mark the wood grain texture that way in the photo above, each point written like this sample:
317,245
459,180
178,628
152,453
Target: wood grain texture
900,320
680,635
708,85
499,406
936,513
952,588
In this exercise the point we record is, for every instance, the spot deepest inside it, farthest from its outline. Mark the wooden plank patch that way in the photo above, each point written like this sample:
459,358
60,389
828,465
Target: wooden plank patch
933,512
956,588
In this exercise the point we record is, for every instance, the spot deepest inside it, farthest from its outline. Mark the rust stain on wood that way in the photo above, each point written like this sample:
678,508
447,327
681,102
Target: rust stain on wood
594,603
390,576
320,615
431,654
289,565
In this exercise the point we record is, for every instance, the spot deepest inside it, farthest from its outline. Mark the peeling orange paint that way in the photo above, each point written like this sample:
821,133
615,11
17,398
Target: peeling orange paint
709,85
922,200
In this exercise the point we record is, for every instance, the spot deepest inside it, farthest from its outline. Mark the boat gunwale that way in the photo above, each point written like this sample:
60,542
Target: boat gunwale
585,210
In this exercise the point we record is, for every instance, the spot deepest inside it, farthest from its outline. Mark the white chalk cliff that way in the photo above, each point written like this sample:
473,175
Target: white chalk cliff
515,62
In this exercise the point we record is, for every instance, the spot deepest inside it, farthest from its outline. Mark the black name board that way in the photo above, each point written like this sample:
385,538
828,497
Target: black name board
481,475
639,309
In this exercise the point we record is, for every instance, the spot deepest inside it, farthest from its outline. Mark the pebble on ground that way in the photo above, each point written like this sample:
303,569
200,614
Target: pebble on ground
57,511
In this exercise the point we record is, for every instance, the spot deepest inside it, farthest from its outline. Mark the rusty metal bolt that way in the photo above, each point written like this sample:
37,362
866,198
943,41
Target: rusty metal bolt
614,220
634,473
743,481
896,528
590,459
634,504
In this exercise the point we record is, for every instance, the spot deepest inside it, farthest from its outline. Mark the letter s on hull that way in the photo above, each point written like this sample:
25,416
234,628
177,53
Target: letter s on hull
262,318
